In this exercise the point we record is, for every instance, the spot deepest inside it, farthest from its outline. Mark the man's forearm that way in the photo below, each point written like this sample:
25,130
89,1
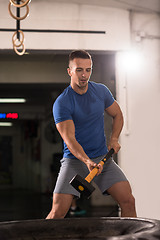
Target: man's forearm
67,131
116,130
117,126
76,149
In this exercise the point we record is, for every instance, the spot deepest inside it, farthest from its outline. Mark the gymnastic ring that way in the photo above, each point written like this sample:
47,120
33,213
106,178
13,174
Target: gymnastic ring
18,52
14,40
15,17
20,5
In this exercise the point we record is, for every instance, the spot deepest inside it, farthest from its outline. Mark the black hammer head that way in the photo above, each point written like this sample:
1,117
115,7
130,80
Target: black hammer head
82,186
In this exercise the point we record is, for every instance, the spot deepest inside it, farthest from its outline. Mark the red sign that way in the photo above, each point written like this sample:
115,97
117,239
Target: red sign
12,115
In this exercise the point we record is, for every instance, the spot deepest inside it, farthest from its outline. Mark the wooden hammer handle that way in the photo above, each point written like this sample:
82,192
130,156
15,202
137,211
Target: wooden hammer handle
93,173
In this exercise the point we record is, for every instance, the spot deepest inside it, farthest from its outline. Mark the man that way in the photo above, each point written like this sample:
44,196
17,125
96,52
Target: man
79,117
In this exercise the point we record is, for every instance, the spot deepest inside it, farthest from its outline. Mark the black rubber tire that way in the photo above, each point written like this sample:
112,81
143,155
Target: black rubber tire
82,228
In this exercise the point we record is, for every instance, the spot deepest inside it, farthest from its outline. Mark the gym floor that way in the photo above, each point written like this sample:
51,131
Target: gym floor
25,205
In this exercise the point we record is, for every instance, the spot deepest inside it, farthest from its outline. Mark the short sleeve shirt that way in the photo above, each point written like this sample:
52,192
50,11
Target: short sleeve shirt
87,113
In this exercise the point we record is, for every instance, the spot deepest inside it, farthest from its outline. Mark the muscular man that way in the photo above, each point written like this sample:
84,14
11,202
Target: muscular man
79,117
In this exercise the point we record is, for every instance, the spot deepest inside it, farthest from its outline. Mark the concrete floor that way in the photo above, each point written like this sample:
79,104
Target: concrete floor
25,205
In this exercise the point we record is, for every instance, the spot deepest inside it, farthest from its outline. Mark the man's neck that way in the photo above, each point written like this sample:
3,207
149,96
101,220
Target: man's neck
79,90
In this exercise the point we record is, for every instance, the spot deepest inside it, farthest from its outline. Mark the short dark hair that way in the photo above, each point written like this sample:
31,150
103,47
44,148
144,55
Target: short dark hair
79,54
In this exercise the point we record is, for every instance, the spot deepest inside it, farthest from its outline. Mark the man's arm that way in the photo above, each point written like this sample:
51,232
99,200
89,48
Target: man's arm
115,112
67,132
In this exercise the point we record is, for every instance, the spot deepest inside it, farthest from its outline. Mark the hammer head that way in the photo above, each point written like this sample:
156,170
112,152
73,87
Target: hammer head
82,186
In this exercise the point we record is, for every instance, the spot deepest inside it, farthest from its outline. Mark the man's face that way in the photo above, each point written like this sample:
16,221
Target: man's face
80,71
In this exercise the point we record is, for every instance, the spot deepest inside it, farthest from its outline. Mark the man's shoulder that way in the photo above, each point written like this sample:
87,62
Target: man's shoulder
64,95
102,92
97,86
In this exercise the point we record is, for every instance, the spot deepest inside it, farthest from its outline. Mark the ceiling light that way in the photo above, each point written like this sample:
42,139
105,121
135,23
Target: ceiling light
131,61
6,124
12,100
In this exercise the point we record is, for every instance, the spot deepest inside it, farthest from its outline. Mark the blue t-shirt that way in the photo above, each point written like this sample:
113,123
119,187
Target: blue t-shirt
87,113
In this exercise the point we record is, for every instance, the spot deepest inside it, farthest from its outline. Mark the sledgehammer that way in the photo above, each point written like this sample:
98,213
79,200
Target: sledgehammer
84,186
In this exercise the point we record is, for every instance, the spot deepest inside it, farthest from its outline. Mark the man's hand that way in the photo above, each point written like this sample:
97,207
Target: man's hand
114,144
90,164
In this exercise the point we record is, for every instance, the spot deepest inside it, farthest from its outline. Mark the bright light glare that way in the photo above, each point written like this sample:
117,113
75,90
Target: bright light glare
5,124
12,100
131,61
